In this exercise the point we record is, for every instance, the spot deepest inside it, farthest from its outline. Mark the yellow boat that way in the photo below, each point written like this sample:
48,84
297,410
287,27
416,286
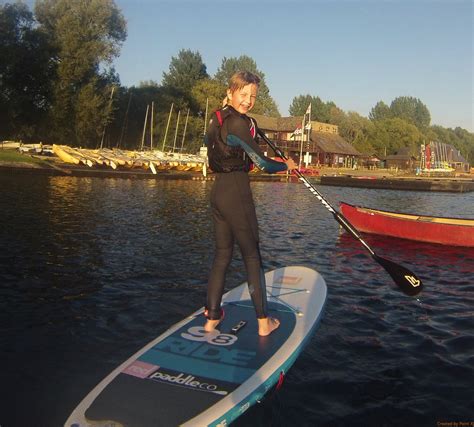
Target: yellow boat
65,156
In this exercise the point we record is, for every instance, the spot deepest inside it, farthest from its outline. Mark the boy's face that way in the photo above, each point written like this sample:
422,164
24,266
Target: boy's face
243,99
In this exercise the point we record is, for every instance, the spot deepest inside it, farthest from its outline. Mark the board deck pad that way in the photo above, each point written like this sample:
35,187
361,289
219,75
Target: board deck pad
190,377
191,366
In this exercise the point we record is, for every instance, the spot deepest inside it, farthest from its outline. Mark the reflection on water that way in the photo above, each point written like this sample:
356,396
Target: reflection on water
92,269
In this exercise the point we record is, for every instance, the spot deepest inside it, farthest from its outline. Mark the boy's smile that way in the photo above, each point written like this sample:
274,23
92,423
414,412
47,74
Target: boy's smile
243,99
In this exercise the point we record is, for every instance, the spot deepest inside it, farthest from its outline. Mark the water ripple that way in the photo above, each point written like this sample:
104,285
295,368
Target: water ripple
93,269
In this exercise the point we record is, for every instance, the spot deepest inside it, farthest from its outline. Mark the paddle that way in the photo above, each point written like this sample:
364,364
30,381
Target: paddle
406,280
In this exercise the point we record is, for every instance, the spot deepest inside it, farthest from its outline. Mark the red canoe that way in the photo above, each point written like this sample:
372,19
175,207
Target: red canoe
445,231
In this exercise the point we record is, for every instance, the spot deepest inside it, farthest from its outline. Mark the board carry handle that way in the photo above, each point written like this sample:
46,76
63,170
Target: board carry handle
406,280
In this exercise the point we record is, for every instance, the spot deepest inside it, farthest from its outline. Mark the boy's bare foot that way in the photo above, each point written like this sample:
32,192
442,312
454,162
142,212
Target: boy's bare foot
211,325
267,325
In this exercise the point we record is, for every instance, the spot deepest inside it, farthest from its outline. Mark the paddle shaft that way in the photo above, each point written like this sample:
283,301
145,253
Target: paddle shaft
404,278
338,217
342,220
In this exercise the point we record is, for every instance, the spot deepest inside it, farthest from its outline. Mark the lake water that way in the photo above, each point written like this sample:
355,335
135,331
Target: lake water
93,269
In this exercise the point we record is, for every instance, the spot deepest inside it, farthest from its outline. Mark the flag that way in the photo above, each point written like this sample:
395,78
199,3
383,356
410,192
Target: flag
297,131
308,120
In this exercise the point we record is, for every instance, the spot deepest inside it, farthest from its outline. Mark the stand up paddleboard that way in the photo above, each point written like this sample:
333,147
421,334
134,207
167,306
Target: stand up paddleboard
192,378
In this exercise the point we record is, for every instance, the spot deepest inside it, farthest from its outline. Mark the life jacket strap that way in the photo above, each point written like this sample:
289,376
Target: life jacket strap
219,117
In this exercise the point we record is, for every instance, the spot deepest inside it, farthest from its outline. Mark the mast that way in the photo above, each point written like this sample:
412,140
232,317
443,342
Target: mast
107,118
144,127
184,132
422,156
151,125
125,122
309,135
176,131
205,117
302,138
167,126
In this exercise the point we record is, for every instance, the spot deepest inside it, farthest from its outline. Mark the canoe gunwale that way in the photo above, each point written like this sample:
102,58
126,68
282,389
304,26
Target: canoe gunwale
430,229
467,222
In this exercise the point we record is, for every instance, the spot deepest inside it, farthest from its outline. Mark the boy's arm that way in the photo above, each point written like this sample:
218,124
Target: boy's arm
238,134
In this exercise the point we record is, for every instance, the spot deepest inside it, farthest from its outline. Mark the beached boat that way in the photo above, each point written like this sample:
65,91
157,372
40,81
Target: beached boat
441,230
115,158
66,157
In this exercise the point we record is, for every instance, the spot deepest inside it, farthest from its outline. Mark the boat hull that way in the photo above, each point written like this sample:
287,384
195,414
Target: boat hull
440,230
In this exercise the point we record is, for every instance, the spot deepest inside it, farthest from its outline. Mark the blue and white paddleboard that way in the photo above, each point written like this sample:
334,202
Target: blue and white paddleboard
192,378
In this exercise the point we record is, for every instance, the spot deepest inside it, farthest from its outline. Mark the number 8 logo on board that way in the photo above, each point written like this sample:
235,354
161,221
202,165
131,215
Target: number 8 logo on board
197,333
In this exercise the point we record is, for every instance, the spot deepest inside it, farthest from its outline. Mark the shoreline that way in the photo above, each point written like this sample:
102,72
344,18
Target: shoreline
361,178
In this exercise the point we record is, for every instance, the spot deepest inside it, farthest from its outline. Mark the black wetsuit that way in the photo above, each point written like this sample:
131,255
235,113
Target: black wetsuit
232,149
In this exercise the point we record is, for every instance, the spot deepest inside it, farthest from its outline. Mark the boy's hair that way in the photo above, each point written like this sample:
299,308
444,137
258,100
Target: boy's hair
241,79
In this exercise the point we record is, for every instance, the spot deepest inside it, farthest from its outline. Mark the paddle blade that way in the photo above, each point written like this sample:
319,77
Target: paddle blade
405,279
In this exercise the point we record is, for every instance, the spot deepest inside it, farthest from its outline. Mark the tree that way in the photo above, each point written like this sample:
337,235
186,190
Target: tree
411,110
89,126
336,116
320,111
86,36
402,134
26,73
208,92
229,66
378,137
185,71
300,104
354,129
381,111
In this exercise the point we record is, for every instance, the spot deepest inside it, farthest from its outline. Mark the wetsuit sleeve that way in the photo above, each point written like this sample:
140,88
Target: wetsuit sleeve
237,133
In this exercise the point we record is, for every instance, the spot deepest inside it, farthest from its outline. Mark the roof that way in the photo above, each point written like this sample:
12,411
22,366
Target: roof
400,157
454,155
325,141
403,151
277,124
333,143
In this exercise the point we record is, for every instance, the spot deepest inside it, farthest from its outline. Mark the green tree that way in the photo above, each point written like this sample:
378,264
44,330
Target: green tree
89,126
320,111
208,92
300,104
354,128
336,116
185,71
26,74
411,110
402,134
87,35
132,113
381,111
229,66
378,137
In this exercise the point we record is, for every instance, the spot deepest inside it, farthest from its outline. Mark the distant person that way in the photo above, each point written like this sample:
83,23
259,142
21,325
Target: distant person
232,149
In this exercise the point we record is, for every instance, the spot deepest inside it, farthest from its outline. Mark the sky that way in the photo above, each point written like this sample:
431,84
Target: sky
352,52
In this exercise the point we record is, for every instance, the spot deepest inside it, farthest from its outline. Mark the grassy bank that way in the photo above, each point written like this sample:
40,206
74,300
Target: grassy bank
14,156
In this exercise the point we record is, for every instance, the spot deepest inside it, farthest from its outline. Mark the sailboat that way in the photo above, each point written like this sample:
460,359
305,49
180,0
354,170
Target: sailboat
435,158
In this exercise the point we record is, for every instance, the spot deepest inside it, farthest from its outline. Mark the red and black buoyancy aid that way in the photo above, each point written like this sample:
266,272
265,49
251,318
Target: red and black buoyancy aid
223,157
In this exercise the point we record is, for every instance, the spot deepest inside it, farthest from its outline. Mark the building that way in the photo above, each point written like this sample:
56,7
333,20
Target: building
456,160
322,147
402,159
